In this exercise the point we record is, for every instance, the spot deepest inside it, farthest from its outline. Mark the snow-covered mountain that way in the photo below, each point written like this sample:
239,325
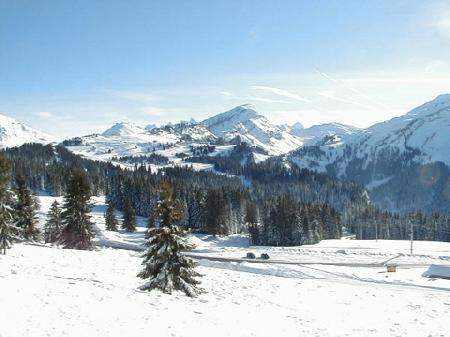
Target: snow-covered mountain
223,131
244,122
316,133
13,133
123,129
126,139
411,152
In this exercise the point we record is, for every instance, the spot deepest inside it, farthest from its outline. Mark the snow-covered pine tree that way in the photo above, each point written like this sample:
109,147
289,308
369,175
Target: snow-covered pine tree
8,231
53,225
166,267
111,222
25,209
77,226
129,218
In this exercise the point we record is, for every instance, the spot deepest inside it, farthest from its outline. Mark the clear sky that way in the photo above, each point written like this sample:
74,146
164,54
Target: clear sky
72,67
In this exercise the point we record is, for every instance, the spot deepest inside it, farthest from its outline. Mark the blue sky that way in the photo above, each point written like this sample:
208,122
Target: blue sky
75,67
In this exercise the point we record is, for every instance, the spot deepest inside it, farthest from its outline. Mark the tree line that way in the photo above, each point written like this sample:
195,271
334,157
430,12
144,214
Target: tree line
287,206
69,225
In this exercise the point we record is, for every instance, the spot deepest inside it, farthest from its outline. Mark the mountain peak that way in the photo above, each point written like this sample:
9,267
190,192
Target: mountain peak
440,102
253,128
14,133
297,126
122,129
239,114
443,97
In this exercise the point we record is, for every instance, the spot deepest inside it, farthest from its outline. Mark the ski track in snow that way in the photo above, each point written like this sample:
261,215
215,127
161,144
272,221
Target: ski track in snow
48,291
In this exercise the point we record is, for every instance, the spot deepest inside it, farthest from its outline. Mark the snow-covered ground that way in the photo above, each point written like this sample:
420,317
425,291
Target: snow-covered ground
47,291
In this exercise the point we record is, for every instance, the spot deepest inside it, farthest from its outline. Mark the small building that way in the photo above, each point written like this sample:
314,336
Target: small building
391,267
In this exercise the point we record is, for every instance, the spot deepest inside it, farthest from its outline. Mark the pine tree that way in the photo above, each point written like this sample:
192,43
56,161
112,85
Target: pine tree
129,218
77,232
111,222
53,226
166,267
151,221
8,231
25,210
217,213
251,221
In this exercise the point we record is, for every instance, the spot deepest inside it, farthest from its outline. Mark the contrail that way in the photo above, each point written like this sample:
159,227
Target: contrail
355,91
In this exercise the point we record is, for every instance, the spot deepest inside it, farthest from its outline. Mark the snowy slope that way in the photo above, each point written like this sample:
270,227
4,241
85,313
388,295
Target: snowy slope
404,162
425,129
127,139
95,293
242,123
123,129
59,292
253,128
316,133
13,133
421,136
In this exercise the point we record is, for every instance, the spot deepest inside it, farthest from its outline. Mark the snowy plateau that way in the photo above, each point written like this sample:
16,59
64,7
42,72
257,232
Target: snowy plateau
334,288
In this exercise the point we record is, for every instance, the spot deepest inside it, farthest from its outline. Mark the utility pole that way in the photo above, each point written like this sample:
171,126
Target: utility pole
376,231
411,237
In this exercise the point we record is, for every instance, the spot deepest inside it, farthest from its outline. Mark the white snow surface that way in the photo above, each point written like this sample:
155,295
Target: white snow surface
13,133
316,133
425,130
128,139
251,127
59,292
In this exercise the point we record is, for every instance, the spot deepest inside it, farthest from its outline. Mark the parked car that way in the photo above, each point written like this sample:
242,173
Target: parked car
265,256
251,255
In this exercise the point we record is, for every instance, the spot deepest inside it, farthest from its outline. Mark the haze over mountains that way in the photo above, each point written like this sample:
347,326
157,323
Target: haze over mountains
414,146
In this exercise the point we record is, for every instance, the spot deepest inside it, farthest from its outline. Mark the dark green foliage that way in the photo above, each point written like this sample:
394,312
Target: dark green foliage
25,210
166,267
111,223
53,225
47,168
287,222
168,211
153,158
151,221
8,231
77,230
129,218
251,220
372,223
217,213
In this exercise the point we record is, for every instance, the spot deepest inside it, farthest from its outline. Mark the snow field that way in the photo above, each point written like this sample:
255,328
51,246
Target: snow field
58,292
48,291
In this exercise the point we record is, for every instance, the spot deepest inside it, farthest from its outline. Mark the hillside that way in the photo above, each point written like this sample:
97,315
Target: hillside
13,133
404,161
75,293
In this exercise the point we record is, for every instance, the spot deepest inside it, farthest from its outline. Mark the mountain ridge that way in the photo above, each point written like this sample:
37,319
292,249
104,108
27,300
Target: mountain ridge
14,133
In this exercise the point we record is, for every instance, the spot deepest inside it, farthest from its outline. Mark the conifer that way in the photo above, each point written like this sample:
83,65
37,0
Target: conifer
77,226
53,225
25,209
129,218
165,266
8,231
111,222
